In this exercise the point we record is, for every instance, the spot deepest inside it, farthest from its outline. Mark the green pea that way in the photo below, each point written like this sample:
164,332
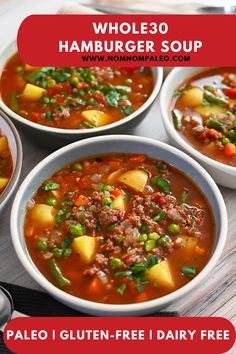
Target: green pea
81,92
77,230
42,245
45,100
74,81
128,81
92,101
67,252
163,241
149,245
143,237
225,141
115,263
106,201
173,228
51,83
51,201
77,166
57,252
153,236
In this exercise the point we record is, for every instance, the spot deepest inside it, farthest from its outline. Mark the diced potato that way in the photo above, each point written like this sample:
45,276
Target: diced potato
119,203
160,274
113,177
96,118
3,144
43,214
3,182
86,247
203,110
32,92
192,97
136,179
189,242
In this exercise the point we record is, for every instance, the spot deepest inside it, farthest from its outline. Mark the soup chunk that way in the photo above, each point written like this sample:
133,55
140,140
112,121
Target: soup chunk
74,97
204,111
6,165
119,229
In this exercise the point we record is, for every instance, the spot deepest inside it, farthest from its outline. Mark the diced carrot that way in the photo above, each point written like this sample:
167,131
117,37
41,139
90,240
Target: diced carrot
230,92
114,164
81,201
29,230
142,297
96,286
213,133
138,158
116,192
199,250
230,150
202,136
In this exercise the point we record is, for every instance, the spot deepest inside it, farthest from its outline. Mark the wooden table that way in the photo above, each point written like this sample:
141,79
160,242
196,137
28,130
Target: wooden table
216,296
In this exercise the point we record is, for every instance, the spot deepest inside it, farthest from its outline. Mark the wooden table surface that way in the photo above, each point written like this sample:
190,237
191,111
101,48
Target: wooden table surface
216,296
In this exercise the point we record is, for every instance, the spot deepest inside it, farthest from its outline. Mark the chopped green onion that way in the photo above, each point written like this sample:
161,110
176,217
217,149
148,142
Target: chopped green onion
77,230
121,289
162,184
177,119
51,201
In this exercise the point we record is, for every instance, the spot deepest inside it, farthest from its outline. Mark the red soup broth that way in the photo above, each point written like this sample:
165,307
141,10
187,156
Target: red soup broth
74,97
204,112
119,229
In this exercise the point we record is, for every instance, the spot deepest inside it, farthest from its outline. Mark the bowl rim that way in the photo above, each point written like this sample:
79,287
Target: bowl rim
18,164
170,129
116,309
59,131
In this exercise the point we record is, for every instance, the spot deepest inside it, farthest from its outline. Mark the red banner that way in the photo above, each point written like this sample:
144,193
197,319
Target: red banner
128,40
122,335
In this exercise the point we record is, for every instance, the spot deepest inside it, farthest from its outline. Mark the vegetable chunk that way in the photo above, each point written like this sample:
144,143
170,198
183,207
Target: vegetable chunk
136,179
3,144
189,242
3,182
96,118
192,97
43,215
32,92
119,203
86,247
160,274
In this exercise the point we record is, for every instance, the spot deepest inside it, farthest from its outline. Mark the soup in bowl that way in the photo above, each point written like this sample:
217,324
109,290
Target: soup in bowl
75,102
10,159
198,110
118,226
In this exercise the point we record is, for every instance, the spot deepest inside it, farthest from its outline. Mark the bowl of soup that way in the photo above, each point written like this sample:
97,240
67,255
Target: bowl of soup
198,110
10,159
63,104
118,226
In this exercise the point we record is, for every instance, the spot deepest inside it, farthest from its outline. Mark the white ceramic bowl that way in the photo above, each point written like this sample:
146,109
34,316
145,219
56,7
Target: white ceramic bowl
53,137
222,173
14,142
116,144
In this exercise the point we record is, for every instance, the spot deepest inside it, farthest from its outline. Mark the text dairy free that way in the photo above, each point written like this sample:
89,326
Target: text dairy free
134,45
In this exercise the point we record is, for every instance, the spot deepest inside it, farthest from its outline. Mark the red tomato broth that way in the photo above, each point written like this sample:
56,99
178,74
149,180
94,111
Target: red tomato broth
68,92
85,278
213,133
6,163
